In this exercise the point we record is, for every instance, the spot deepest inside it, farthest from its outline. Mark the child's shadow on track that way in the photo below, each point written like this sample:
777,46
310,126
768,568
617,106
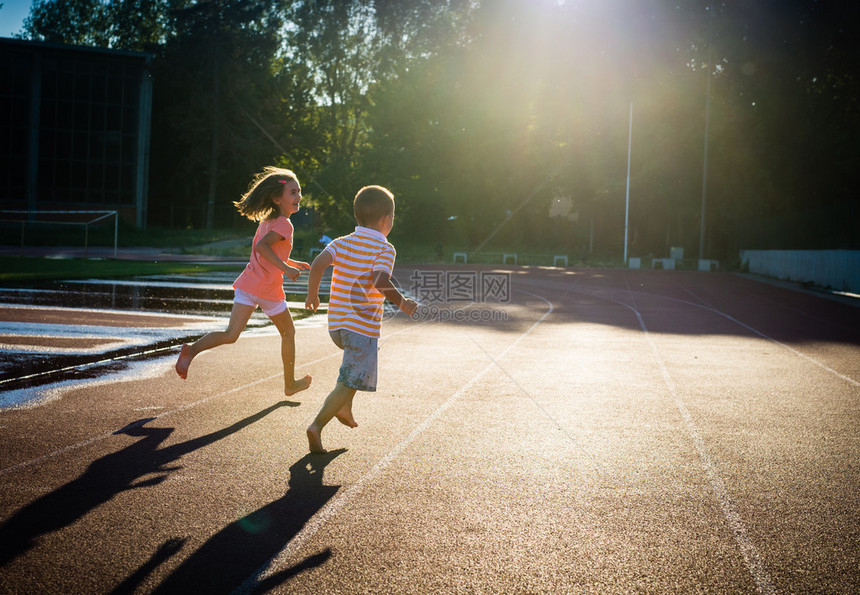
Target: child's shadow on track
233,556
105,478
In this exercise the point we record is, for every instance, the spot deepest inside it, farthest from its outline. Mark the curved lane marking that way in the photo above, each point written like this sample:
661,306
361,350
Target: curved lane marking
343,497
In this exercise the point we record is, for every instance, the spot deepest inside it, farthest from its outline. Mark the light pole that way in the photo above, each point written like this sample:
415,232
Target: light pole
705,158
627,196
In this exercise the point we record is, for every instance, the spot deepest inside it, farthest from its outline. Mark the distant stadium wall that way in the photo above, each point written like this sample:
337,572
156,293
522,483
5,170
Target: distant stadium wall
833,269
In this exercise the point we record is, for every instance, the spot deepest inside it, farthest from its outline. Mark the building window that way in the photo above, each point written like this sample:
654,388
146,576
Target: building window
88,132
15,92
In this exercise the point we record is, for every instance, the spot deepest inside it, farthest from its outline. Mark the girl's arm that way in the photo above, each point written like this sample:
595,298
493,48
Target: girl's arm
299,264
320,264
264,249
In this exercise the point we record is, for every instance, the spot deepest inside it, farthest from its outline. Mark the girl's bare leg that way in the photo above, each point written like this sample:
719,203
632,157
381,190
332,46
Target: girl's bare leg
239,317
284,324
334,402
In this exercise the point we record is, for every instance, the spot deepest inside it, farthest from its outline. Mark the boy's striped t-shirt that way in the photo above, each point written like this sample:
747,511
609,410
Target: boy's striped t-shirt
355,304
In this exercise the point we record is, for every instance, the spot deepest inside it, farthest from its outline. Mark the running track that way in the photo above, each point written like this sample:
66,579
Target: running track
621,431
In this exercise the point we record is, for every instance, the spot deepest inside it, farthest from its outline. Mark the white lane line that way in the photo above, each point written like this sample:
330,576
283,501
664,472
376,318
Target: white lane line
547,414
748,549
343,497
705,306
97,438
109,434
709,307
750,553
100,437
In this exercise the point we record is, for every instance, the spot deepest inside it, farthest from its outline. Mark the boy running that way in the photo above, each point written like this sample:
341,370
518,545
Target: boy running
361,281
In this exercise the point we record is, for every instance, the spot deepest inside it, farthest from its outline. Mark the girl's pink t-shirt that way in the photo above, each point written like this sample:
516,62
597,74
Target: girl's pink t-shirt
261,278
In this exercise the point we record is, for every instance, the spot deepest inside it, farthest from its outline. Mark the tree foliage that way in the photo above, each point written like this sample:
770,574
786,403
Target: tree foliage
121,24
502,123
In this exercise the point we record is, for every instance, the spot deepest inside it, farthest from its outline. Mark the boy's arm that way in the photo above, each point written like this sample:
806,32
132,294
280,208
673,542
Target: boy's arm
264,249
318,267
382,282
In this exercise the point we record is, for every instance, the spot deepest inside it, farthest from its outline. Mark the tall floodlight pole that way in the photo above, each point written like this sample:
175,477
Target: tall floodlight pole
627,198
705,158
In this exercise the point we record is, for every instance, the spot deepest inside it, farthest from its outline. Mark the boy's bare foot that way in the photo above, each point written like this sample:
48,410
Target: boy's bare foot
345,417
297,386
184,361
314,440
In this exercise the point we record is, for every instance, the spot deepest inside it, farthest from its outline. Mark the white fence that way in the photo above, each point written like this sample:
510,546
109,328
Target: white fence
834,269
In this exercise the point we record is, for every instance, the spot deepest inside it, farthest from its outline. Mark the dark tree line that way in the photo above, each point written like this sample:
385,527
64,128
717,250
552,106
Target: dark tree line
505,122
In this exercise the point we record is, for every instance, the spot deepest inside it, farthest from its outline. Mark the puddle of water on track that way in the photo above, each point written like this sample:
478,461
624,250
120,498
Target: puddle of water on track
27,361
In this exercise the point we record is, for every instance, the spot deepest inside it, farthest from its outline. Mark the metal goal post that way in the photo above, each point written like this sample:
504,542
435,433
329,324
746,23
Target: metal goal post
87,219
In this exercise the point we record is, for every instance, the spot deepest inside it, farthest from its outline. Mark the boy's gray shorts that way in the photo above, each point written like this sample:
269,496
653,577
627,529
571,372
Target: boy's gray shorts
360,356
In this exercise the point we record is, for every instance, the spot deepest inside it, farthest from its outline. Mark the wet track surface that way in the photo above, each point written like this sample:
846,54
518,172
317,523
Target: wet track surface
179,294
69,329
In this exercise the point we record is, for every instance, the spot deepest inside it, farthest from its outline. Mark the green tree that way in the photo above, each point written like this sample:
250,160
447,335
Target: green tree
784,116
216,67
118,24
480,114
76,22
331,42
141,25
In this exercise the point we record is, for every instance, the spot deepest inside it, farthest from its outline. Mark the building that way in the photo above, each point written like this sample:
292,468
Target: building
74,129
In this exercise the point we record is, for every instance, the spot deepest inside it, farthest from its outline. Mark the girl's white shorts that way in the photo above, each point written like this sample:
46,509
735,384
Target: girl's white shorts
269,307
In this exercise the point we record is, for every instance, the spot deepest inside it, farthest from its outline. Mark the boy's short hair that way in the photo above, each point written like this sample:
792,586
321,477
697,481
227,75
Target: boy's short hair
371,204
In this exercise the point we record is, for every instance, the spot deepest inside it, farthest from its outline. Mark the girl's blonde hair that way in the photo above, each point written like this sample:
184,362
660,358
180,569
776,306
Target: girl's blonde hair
256,204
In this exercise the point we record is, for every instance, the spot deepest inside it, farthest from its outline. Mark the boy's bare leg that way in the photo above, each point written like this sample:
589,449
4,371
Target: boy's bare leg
185,357
284,324
334,402
344,416
239,317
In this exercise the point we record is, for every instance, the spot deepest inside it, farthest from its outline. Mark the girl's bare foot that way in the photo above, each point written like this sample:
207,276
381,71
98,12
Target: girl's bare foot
184,361
297,386
345,417
314,440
